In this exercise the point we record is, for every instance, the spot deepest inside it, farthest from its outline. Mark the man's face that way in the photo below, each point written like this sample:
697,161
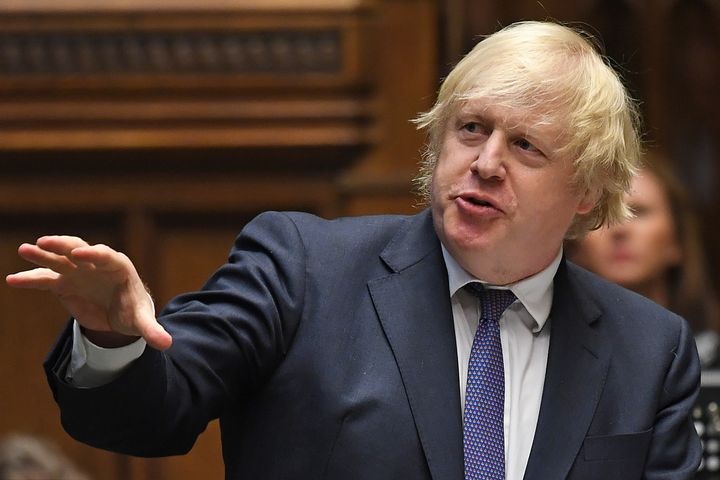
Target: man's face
502,198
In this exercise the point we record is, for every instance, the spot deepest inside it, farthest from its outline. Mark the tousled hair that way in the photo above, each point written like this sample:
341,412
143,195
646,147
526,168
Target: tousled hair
557,74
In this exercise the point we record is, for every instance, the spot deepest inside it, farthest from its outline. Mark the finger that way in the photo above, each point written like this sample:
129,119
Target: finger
39,256
83,264
60,244
38,278
101,256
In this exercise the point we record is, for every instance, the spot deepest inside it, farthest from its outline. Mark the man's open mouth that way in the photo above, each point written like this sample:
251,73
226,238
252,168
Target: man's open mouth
482,203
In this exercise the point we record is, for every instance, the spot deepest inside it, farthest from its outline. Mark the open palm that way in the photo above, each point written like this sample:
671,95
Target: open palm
97,285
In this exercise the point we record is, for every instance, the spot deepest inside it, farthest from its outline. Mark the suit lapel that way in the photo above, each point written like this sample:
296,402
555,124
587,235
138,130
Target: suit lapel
577,367
413,306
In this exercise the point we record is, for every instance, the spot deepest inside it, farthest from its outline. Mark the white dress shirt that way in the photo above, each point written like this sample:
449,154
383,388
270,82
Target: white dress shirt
525,338
524,335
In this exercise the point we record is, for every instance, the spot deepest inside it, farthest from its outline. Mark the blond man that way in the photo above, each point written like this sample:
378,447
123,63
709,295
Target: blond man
456,343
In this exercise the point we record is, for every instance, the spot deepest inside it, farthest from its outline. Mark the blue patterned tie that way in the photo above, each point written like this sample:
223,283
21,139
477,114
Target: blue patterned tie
483,432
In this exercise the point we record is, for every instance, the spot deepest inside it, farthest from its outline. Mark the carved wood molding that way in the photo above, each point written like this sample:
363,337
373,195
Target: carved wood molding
236,75
280,52
59,6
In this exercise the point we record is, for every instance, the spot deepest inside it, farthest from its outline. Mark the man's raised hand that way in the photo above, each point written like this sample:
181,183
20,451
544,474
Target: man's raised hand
99,286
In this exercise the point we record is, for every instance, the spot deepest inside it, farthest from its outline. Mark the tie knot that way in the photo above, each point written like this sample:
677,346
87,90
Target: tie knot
493,301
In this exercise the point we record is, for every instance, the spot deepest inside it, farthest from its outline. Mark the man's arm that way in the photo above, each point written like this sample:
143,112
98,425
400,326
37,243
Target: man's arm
227,339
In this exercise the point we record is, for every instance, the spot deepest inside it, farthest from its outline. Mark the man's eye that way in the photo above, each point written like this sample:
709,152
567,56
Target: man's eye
525,145
471,127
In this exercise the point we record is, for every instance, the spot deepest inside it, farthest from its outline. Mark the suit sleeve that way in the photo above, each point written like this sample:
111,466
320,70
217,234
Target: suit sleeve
227,339
675,450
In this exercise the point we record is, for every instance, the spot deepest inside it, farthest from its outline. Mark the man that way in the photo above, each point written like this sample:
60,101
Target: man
355,349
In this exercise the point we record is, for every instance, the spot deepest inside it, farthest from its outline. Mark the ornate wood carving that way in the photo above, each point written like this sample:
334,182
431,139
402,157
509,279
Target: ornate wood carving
279,52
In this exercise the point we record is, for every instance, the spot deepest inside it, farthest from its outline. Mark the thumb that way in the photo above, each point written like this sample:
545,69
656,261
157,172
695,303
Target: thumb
155,335
147,325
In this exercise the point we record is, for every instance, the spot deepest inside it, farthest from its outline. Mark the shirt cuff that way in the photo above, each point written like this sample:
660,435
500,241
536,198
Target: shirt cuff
93,366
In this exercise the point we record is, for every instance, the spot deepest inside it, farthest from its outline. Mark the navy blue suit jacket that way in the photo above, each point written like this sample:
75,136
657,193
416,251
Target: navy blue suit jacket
327,350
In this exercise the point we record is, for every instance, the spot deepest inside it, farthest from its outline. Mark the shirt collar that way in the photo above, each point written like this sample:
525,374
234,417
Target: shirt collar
534,292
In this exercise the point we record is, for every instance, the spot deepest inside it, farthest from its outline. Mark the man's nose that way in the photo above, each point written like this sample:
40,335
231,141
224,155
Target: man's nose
490,161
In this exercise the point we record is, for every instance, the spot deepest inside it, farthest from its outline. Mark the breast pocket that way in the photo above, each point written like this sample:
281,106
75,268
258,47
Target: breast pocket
620,457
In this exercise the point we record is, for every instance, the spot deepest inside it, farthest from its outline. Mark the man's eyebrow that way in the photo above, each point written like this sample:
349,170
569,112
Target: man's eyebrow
471,113
521,126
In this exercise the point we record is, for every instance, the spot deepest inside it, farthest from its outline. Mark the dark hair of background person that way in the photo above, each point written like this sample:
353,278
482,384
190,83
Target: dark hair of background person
690,289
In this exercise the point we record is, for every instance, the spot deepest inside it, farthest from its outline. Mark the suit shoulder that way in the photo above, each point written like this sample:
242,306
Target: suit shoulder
637,327
369,228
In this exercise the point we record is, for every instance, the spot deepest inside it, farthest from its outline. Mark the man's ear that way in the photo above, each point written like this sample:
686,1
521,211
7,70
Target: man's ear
588,201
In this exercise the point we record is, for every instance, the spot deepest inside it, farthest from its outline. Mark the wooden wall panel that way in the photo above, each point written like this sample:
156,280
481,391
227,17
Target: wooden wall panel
382,182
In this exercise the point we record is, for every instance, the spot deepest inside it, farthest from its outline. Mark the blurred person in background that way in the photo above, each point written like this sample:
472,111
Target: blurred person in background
26,457
659,254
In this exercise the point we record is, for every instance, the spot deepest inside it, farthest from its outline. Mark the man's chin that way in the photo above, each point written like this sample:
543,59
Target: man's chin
474,238
468,249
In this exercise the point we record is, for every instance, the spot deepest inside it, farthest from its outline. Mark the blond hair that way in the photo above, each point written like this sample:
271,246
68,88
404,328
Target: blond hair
557,73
